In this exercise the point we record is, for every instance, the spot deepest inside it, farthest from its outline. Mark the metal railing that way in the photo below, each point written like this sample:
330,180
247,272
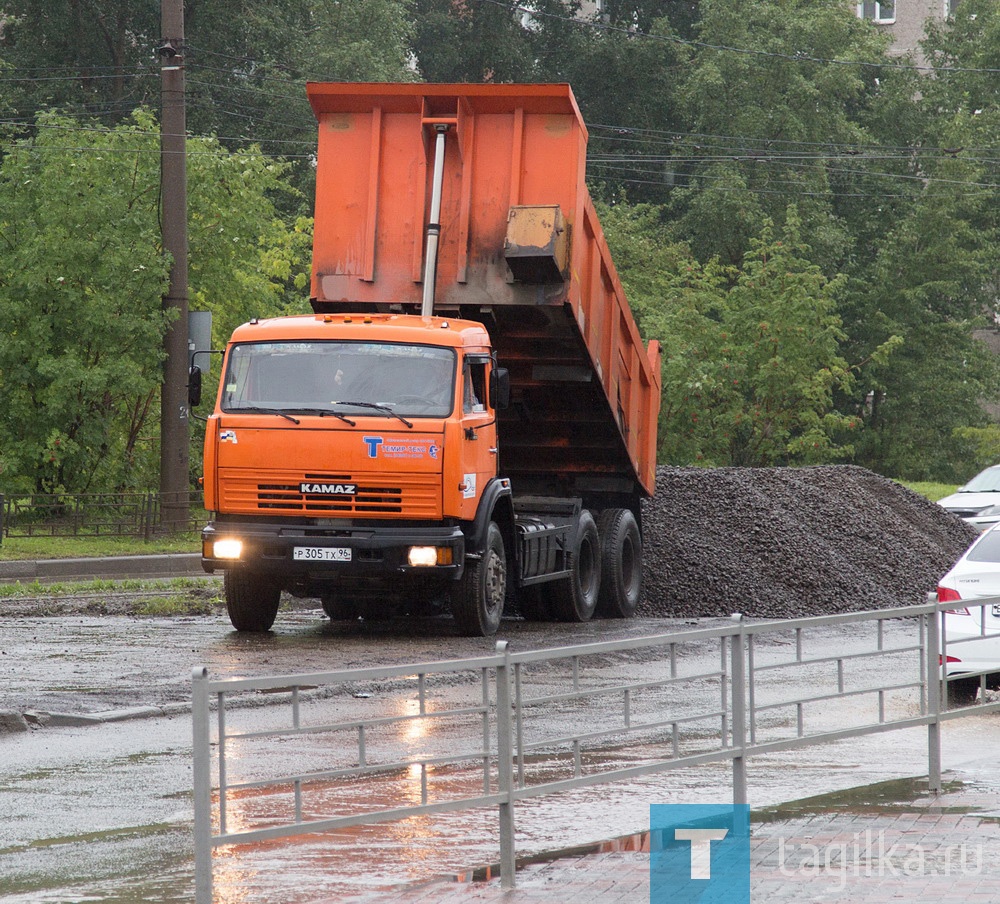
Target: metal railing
93,514
540,722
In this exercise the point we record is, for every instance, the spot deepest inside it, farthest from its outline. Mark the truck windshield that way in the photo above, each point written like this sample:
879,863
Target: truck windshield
345,377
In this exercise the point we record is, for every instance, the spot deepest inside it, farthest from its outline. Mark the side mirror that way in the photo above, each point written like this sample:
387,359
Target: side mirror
500,387
194,386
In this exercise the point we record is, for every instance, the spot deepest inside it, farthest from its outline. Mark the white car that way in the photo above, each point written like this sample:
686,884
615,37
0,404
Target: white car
976,575
978,502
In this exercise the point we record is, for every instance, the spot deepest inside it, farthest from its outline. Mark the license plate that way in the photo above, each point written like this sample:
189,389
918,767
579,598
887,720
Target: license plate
322,553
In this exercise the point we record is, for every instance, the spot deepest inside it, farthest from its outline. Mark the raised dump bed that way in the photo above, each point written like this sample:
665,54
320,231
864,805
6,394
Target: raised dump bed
519,248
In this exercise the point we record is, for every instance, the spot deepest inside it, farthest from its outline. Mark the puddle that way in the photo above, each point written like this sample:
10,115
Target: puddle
894,796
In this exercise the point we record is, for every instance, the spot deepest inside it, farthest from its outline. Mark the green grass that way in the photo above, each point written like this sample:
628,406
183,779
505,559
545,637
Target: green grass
165,598
933,491
168,586
20,548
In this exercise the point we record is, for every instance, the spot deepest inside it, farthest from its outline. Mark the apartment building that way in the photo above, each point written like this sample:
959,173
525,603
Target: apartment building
905,19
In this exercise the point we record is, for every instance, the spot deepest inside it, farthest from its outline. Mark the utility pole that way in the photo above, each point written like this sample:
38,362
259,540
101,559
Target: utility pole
174,432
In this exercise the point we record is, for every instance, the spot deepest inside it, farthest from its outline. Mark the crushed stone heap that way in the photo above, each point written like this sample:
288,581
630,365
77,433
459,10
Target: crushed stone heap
791,542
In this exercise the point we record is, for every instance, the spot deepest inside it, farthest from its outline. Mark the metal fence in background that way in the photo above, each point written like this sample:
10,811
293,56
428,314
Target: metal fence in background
546,721
142,515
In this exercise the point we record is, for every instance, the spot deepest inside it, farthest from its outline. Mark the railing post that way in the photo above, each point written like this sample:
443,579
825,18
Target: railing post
935,674
202,787
739,718
505,768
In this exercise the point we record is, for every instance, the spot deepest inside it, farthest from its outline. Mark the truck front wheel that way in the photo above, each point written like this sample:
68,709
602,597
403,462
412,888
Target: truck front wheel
477,599
574,598
251,599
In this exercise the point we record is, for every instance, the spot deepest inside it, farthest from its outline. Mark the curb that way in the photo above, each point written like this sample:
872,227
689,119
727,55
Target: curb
12,722
635,842
113,567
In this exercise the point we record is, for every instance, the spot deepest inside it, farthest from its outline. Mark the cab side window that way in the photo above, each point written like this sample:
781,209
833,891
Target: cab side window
474,386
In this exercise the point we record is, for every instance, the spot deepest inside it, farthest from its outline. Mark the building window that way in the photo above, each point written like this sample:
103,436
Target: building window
878,10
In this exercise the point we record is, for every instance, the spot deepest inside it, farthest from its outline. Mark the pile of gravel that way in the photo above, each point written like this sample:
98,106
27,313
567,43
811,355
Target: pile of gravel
790,542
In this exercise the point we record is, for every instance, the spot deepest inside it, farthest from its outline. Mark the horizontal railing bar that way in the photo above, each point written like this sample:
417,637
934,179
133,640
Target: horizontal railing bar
350,676
364,819
621,729
614,775
977,709
972,638
808,740
333,727
349,771
779,626
818,698
842,657
621,646
588,693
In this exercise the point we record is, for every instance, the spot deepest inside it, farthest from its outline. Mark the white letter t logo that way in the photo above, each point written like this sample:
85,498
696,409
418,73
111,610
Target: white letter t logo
701,848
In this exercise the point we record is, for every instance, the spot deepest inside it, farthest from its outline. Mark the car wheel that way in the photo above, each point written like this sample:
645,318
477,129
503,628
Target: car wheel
962,691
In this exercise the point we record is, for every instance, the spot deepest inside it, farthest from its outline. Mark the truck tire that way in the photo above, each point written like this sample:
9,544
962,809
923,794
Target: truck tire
477,599
574,599
621,564
251,599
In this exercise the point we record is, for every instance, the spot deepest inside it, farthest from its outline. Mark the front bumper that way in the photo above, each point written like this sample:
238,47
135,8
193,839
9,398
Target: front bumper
371,551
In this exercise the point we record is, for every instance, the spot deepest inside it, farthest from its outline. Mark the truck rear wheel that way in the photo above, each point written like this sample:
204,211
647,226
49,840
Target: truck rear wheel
621,564
574,599
477,599
251,599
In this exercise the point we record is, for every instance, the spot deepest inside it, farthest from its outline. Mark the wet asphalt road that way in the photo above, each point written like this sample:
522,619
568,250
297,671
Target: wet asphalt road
103,812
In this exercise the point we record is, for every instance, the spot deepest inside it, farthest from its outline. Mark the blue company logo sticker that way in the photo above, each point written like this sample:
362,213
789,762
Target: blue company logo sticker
380,448
699,853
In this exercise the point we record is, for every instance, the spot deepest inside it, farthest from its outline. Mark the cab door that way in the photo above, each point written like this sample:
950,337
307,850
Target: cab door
478,457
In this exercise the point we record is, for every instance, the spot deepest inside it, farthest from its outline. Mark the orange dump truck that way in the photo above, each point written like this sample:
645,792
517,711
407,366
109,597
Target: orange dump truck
469,417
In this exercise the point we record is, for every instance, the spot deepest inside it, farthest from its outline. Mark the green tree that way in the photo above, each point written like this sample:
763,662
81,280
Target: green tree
82,273
83,56
473,41
751,356
925,267
768,103
246,62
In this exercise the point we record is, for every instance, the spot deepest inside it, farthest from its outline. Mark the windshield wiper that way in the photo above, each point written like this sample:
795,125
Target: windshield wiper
256,409
373,406
324,412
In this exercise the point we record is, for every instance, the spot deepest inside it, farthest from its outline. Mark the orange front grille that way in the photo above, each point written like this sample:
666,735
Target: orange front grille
374,495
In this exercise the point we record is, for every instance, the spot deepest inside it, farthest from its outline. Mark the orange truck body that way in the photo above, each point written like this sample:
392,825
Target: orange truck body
523,287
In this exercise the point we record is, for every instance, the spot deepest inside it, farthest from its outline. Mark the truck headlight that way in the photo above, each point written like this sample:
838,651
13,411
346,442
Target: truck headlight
424,556
227,549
